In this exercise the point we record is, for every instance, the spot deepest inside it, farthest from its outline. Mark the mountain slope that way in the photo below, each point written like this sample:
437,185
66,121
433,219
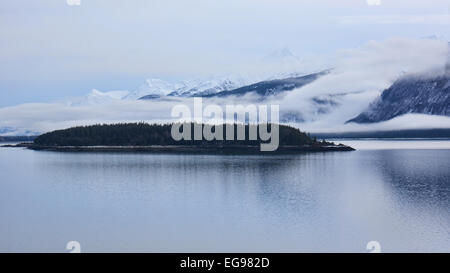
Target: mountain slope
210,86
272,87
98,97
410,95
154,89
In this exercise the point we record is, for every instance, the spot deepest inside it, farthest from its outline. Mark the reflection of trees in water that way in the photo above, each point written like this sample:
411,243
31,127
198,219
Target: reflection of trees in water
285,186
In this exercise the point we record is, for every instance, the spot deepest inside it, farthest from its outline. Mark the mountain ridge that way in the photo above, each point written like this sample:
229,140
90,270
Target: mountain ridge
411,94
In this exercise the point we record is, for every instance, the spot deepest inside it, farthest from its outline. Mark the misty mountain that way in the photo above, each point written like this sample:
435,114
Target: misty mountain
272,87
211,86
280,64
226,87
284,59
16,138
155,88
98,97
323,104
422,95
10,131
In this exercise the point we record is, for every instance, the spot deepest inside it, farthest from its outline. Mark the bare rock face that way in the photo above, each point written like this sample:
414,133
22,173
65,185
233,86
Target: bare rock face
422,95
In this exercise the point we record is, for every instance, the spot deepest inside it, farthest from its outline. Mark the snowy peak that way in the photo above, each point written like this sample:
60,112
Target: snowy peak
98,97
283,57
271,87
210,86
281,63
283,53
111,94
154,87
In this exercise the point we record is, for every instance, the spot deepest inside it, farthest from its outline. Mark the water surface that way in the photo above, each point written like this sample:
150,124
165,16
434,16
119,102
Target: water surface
319,202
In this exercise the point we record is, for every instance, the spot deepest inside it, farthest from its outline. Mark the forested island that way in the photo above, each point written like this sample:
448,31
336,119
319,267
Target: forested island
144,137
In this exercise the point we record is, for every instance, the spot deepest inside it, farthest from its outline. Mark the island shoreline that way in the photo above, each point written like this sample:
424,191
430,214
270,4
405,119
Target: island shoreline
180,149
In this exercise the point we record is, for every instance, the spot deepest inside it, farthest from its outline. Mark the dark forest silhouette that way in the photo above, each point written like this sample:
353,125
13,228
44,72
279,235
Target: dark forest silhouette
144,134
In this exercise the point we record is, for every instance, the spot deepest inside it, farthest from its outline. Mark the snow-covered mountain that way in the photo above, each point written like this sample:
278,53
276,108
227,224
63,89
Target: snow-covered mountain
6,130
98,97
211,86
283,56
310,100
271,87
155,88
420,95
9,131
280,64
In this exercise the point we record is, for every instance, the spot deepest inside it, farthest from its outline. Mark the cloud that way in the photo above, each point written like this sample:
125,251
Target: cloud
434,19
48,47
98,97
408,121
43,117
40,118
359,76
373,2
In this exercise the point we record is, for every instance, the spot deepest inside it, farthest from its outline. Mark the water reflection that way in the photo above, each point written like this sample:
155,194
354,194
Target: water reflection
420,180
310,202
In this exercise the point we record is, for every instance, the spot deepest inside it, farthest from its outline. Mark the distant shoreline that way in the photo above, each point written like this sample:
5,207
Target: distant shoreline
437,133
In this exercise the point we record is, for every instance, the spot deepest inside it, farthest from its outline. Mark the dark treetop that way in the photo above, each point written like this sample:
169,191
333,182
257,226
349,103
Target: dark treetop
143,134
143,137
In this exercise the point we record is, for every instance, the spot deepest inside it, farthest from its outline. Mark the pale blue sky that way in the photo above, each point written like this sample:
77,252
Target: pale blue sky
50,50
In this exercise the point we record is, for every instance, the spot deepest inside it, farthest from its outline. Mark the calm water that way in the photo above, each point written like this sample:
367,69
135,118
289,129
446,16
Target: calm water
320,202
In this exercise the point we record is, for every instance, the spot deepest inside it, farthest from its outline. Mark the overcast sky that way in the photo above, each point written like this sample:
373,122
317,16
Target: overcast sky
49,49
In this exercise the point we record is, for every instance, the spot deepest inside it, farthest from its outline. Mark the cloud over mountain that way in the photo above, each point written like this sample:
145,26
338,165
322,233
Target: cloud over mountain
359,76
